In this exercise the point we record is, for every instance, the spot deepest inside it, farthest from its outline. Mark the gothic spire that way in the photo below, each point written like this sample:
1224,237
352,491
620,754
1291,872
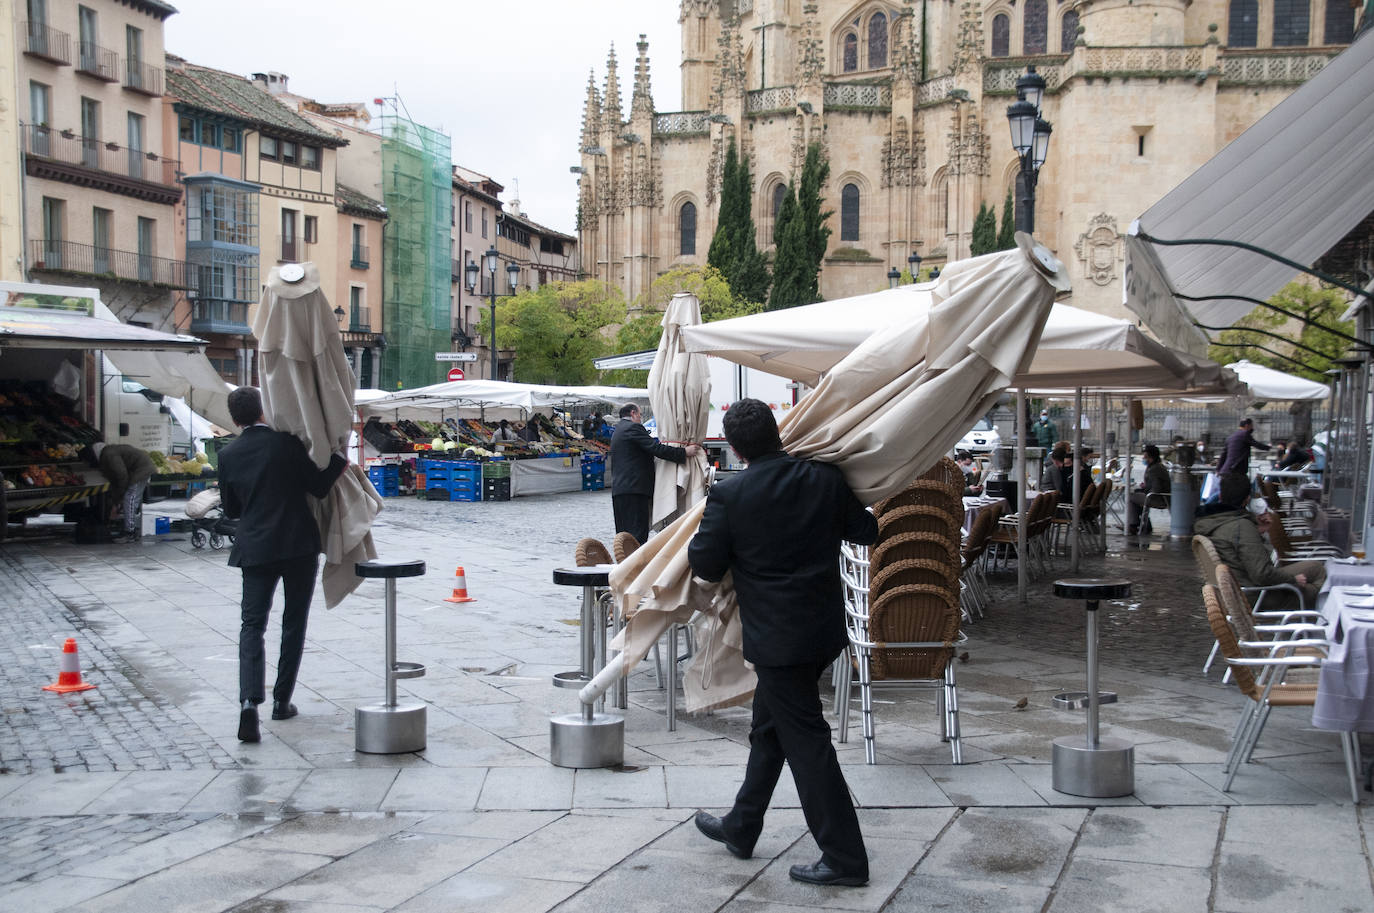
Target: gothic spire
610,104
642,102
591,114
906,58
730,76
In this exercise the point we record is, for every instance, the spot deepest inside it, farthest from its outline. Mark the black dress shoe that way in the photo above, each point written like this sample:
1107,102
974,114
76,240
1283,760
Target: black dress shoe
248,723
283,711
820,873
711,826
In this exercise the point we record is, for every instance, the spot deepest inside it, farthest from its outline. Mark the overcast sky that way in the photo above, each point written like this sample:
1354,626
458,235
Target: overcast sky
506,80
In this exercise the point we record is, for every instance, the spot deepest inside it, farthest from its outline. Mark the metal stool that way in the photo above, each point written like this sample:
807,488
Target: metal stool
1098,768
588,738
391,727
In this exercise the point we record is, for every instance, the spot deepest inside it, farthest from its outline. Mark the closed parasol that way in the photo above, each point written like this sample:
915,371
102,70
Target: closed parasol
307,389
884,414
680,394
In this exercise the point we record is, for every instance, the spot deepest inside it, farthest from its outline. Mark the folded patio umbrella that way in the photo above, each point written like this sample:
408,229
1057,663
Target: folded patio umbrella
884,414
307,389
680,393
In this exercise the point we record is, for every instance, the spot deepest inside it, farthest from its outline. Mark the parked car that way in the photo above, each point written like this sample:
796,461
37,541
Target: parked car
982,437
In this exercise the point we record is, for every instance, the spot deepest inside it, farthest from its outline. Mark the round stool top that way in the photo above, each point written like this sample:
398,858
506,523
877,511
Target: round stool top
379,568
594,575
1092,588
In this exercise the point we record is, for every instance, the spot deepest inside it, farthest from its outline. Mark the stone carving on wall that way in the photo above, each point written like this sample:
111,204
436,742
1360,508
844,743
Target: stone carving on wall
714,168
1099,249
610,96
968,45
968,144
906,61
698,8
896,166
729,76
811,48
642,101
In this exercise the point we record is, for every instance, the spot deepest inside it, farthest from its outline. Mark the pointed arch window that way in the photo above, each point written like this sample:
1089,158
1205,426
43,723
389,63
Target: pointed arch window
687,229
942,206
851,52
1291,23
1001,35
1340,23
877,41
1242,24
1068,32
779,194
849,213
1036,27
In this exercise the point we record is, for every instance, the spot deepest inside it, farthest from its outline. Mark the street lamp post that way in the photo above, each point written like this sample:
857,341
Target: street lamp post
893,277
492,259
1030,137
914,261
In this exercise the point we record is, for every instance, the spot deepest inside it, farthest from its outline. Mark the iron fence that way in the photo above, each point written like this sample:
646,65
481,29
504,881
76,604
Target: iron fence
111,158
88,259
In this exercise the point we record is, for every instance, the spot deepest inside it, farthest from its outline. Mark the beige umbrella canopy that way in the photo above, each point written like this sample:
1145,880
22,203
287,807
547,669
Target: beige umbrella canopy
884,414
307,389
680,394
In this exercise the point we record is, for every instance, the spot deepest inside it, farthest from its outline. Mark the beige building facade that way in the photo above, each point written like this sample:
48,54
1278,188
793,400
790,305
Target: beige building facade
11,170
908,102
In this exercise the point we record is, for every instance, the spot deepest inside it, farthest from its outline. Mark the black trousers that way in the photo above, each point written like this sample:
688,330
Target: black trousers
297,576
788,726
632,515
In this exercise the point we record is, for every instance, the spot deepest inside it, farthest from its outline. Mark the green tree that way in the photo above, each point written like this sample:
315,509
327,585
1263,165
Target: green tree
557,329
814,231
984,239
734,249
793,274
1323,306
1006,236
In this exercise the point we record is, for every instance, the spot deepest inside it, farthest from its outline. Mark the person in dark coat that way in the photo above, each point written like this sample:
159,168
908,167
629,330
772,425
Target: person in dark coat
1155,484
633,453
1235,456
777,527
128,470
264,478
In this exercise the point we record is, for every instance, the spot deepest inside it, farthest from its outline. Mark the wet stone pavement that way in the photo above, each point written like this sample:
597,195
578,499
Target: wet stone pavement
137,796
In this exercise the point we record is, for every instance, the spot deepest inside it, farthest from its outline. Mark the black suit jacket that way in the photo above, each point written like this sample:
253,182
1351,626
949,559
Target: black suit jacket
632,458
264,477
778,526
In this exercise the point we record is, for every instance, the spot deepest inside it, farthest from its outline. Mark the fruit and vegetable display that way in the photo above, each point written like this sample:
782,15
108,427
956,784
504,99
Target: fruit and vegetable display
472,439
170,468
37,434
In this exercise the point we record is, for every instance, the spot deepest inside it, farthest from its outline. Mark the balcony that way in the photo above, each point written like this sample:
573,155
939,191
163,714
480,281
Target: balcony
360,320
462,336
210,315
142,77
47,44
360,259
120,265
294,250
65,156
101,63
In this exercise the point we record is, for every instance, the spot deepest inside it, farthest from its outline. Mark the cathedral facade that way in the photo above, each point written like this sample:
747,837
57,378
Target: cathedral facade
908,100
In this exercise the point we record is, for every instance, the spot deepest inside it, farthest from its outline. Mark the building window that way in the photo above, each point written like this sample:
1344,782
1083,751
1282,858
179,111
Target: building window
1001,35
359,243
136,134
1036,27
88,35
288,236
1291,22
1068,32
267,148
40,104
358,318
849,213
147,247
226,215
687,229
186,129
54,231
453,210
289,153
229,139
467,217
484,221
942,206
877,41
100,239
1340,23
851,52
133,47
310,157
1242,24
312,230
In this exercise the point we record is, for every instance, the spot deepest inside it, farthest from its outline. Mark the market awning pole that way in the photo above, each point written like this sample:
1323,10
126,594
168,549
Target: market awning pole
1075,460
1020,437
1102,459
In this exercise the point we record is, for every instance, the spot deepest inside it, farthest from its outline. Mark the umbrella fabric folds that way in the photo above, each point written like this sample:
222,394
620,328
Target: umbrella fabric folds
884,414
307,389
680,393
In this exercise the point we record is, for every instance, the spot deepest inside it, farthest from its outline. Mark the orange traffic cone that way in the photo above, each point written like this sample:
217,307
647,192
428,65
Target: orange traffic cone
69,671
460,589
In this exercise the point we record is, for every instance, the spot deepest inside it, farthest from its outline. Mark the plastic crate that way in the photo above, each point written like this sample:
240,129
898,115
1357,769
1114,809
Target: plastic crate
466,494
593,458
593,484
496,489
496,470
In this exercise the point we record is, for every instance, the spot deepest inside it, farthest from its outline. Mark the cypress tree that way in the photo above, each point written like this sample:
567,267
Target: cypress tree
815,232
984,238
791,271
1006,238
734,250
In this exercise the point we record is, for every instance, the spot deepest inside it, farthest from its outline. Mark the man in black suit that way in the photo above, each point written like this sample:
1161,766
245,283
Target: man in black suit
264,478
778,526
632,471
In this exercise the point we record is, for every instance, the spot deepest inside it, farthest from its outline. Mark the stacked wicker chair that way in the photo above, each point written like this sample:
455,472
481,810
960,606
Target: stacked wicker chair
905,622
974,554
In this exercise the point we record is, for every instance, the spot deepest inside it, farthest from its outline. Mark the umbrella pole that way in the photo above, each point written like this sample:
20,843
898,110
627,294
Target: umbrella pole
1021,431
1074,462
1102,512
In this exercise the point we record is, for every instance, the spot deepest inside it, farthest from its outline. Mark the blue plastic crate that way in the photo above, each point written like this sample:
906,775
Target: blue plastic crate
465,494
593,484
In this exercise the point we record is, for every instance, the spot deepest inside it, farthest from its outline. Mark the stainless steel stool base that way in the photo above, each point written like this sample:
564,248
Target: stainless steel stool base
1103,772
576,741
1078,700
389,730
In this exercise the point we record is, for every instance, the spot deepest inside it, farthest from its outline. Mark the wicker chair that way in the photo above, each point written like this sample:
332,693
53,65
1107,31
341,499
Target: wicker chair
920,518
623,545
974,556
903,546
591,552
1208,562
907,640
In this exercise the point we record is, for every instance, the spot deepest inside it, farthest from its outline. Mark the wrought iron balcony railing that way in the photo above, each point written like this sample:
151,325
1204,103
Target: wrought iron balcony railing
360,259
360,320
69,148
93,60
47,43
90,260
142,77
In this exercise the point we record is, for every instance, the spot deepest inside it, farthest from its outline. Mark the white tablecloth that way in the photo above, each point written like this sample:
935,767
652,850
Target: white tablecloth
1345,690
973,505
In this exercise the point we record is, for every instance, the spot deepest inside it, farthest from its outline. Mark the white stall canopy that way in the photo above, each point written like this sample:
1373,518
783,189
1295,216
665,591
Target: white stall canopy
1267,385
495,399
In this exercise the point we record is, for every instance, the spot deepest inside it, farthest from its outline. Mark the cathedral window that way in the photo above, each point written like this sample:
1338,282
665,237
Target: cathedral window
779,194
1291,23
1001,35
851,52
1340,23
1035,27
849,213
941,208
877,41
1242,24
1068,32
687,229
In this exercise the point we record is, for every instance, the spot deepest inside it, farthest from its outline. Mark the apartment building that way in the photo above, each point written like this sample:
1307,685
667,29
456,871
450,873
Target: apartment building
99,195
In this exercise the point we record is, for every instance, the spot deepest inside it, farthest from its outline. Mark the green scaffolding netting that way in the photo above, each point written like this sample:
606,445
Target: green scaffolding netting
416,186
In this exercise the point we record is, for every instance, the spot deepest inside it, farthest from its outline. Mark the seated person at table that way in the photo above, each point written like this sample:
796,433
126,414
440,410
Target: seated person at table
1293,458
973,476
1148,493
1238,536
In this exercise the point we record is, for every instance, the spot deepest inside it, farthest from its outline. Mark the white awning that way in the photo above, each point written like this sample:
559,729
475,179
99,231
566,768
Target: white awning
1295,183
495,399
